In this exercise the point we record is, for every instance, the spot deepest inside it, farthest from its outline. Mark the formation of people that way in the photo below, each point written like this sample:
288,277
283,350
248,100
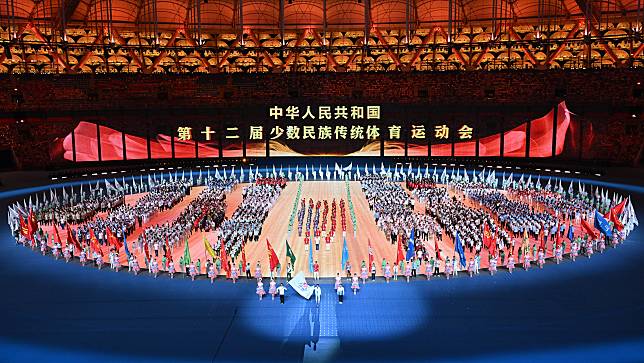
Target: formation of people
393,209
475,215
319,224
247,221
204,213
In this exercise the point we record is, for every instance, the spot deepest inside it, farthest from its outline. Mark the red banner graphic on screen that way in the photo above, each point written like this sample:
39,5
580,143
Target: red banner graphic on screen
515,140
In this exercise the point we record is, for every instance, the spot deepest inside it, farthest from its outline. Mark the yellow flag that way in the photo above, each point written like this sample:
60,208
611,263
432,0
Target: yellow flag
209,249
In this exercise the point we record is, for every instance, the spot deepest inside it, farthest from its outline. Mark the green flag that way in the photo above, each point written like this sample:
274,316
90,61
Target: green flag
186,254
290,254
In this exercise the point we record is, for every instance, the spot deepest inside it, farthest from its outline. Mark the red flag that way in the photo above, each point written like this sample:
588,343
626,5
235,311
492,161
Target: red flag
168,254
112,240
93,242
437,250
492,248
616,222
618,209
370,254
146,250
30,229
400,256
109,237
32,223
24,228
587,227
272,257
71,238
487,236
542,239
57,237
224,259
198,220
558,242
243,257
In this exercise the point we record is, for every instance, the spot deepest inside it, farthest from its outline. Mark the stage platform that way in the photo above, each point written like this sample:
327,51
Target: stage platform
584,310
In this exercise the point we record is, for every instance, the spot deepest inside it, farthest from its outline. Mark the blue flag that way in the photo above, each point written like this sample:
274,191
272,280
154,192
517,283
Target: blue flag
602,225
458,247
311,257
410,247
127,252
571,232
345,254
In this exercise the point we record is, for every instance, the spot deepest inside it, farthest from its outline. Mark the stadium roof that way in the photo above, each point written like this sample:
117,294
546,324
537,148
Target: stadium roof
227,15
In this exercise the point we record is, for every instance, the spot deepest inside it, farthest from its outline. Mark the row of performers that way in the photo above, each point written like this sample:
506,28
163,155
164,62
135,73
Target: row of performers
452,265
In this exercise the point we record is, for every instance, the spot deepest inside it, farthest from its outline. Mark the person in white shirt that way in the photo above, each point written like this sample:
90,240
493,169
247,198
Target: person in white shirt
289,271
340,294
318,293
281,290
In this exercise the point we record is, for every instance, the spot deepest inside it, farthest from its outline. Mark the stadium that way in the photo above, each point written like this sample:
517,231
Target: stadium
321,180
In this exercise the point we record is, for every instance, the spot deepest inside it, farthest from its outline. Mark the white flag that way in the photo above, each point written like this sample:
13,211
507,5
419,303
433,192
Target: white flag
299,284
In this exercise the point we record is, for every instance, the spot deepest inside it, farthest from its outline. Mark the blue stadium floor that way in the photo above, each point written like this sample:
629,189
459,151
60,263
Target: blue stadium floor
591,310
